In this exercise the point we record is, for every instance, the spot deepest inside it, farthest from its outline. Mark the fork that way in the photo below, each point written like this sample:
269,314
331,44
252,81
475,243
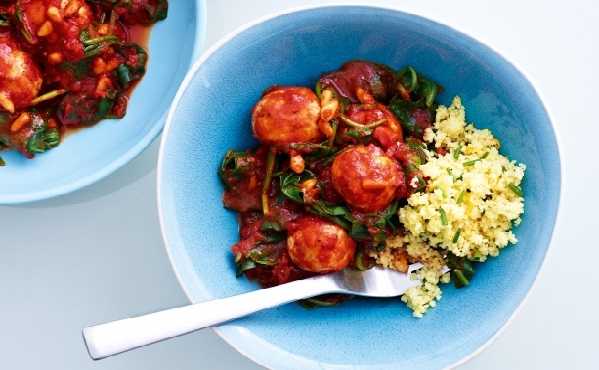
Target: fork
115,337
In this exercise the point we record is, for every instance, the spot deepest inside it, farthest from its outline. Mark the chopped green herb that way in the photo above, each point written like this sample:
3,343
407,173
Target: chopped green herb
461,197
456,236
516,189
457,151
443,216
472,162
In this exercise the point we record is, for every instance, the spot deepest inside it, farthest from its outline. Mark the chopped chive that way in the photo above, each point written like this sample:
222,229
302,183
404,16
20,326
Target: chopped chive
443,216
461,197
472,162
516,189
449,172
456,237
457,151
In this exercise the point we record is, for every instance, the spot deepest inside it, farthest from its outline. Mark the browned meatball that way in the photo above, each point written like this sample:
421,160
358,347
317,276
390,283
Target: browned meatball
319,246
287,115
20,77
366,178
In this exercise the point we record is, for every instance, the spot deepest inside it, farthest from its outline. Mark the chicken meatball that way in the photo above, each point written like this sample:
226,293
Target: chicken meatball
287,115
319,246
366,178
20,77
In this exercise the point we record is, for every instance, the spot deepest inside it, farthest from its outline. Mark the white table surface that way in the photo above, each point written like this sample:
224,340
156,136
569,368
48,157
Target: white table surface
97,255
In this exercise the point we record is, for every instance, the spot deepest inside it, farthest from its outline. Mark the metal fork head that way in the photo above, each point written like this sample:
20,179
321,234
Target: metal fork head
376,282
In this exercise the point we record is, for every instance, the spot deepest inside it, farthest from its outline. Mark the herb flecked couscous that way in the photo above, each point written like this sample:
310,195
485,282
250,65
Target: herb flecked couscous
472,199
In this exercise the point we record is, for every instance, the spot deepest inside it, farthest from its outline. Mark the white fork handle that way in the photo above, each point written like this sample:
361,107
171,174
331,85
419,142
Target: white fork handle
119,336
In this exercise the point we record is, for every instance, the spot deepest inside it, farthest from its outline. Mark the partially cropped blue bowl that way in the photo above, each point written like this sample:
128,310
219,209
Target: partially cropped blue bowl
94,153
212,113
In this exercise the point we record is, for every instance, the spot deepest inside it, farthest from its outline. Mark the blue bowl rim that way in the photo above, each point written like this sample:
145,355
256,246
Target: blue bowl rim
133,152
231,334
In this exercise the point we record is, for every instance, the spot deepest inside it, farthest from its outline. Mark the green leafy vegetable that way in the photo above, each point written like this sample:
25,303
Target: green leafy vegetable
42,139
79,69
236,164
328,300
408,78
243,265
358,134
272,232
289,184
462,270
315,152
362,262
359,231
389,217
265,254
104,107
270,226
4,20
124,75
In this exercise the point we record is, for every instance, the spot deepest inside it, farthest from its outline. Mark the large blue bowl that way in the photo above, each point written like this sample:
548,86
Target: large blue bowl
212,113
93,153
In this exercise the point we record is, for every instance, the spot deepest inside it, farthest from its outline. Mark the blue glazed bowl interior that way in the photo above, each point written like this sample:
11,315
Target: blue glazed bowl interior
213,114
93,153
